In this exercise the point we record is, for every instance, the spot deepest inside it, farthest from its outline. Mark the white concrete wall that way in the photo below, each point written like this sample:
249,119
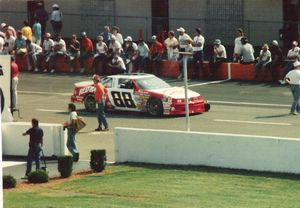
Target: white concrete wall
14,144
256,153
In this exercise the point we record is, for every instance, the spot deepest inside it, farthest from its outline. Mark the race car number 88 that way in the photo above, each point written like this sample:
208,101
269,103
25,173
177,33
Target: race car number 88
123,99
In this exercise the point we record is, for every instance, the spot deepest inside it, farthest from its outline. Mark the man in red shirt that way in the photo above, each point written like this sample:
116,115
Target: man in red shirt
100,96
156,53
87,50
14,82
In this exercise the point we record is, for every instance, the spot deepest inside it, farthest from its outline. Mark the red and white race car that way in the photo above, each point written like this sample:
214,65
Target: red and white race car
140,92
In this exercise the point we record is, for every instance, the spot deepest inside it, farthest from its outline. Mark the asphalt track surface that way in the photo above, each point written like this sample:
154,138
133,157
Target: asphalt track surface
236,107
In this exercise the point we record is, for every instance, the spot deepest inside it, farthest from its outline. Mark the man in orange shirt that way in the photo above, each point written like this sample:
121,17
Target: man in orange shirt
100,96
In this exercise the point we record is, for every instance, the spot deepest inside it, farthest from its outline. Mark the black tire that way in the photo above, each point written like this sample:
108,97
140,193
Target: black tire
2,100
89,103
155,107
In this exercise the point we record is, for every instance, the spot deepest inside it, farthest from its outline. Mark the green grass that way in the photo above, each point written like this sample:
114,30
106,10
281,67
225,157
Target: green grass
160,186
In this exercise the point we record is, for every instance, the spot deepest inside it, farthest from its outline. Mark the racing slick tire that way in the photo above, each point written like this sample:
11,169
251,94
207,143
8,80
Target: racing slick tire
89,103
155,107
207,107
2,100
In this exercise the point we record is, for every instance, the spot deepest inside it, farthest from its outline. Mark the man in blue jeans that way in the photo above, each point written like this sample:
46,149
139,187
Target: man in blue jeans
293,78
35,145
100,96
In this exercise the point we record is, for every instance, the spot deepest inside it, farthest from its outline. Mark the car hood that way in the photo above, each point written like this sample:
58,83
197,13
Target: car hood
175,92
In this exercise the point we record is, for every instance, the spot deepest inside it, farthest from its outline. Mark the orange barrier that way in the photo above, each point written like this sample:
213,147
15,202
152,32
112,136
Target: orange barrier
21,60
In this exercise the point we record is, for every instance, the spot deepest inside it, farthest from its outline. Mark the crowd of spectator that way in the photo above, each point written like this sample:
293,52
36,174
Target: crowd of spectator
120,55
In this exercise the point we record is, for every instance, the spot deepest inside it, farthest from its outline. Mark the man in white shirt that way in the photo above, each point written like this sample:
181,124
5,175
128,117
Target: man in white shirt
247,52
9,42
292,56
117,64
33,51
56,19
183,39
59,49
198,57
238,44
263,60
143,54
293,79
131,53
171,44
219,57
47,48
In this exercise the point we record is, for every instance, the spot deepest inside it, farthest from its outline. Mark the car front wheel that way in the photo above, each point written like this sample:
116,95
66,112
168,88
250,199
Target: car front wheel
89,102
155,107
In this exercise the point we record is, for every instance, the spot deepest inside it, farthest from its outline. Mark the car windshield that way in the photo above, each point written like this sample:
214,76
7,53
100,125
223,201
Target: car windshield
152,83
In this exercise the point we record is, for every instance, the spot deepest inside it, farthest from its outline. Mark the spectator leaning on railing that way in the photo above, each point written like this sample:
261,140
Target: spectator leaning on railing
131,51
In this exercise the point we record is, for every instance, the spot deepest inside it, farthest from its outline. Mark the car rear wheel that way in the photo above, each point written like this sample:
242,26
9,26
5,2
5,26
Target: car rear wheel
155,107
89,102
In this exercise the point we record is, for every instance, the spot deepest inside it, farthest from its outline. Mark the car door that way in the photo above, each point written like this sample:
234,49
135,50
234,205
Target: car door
122,96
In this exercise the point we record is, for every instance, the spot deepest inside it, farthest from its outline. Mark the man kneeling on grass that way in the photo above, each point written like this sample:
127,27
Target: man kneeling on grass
35,145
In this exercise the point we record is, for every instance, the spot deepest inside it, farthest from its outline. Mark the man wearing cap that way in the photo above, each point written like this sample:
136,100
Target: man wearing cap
183,39
198,56
5,27
48,45
277,58
87,50
293,79
100,97
156,53
106,35
219,56
131,52
56,19
292,56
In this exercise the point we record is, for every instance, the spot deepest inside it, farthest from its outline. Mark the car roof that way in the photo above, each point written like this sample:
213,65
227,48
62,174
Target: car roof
132,76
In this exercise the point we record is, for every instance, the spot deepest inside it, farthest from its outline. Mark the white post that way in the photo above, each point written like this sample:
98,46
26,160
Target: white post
187,110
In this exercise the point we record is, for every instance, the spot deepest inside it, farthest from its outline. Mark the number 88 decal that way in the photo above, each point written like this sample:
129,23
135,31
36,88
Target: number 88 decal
123,99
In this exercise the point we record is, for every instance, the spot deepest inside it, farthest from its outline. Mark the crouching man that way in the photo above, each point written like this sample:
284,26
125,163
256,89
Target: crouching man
35,145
